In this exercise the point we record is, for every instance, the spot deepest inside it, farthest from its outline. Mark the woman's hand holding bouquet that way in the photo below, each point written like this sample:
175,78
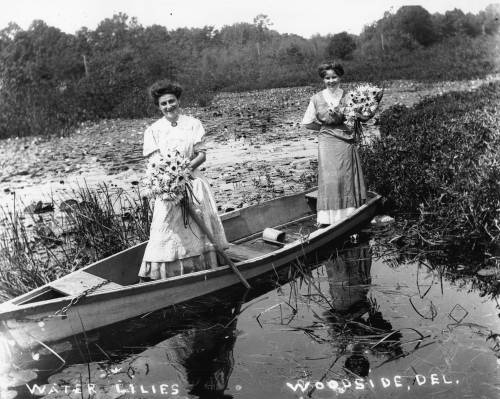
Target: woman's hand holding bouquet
361,103
335,117
168,176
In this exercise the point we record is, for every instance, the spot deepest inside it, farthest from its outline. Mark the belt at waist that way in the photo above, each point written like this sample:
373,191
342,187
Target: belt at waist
339,131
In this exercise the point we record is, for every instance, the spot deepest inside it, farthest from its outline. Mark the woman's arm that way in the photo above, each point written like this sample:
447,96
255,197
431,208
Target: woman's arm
199,158
198,139
150,155
310,121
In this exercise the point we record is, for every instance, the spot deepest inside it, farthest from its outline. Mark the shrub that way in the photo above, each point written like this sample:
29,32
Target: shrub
438,161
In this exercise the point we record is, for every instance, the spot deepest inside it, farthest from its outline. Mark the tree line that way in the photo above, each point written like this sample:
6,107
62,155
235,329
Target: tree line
50,80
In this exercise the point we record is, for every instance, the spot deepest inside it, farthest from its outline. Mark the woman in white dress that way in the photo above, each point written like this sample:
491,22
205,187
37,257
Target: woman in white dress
175,248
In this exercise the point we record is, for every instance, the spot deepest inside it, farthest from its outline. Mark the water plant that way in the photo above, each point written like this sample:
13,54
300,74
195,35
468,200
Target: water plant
437,165
97,222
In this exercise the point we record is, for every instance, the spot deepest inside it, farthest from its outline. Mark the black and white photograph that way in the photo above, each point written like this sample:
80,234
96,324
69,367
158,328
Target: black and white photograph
249,199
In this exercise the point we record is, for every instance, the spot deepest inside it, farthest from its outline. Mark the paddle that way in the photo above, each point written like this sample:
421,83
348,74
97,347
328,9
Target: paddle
220,251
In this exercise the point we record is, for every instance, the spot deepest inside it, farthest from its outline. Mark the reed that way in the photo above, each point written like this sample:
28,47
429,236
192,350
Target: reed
97,222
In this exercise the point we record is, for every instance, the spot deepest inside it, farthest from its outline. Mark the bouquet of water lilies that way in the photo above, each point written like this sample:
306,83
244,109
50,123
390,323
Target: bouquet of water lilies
168,176
363,100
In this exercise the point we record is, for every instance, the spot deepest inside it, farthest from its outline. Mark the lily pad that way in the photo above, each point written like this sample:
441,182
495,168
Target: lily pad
382,220
489,272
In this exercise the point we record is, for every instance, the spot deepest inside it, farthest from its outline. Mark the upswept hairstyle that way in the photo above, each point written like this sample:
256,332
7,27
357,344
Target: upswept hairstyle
162,87
330,66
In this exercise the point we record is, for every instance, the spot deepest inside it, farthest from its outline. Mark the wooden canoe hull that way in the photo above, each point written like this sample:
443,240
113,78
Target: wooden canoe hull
29,324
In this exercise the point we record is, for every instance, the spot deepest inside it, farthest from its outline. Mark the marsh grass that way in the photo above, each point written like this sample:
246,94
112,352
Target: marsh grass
107,222
23,263
97,222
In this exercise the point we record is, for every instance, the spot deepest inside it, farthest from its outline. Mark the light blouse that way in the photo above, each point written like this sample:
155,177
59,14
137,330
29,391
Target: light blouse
320,106
187,137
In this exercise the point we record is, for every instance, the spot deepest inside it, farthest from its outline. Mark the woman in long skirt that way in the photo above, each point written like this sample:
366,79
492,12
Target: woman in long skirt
175,247
341,185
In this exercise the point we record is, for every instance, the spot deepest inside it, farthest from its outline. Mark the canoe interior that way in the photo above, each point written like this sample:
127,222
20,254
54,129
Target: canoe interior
294,214
122,268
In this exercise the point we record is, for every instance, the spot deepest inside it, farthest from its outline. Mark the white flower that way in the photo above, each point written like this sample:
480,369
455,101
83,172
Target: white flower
363,100
162,176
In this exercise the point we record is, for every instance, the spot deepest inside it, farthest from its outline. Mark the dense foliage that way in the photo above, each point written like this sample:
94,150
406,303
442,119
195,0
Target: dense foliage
50,80
439,161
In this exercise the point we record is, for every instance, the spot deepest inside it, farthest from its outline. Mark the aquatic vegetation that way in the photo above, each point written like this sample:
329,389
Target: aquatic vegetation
438,166
36,249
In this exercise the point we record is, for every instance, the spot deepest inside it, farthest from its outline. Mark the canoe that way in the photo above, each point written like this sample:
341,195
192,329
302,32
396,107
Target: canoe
108,291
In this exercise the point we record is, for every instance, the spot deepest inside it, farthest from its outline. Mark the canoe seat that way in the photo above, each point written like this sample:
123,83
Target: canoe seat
312,195
76,283
240,252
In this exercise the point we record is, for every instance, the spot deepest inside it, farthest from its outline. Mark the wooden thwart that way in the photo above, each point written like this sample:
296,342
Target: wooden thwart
75,284
312,195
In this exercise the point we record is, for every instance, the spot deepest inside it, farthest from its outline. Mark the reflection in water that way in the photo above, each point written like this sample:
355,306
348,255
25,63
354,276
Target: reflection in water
206,354
184,350
355,318
349,279
362,314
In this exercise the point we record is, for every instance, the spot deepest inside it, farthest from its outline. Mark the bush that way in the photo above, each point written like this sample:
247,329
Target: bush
341,45
438,161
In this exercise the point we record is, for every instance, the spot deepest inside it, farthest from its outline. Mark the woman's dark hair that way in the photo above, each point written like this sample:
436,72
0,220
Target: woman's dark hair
162,87
331,66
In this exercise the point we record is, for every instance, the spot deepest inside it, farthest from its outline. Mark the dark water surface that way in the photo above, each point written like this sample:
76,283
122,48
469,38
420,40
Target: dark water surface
356,326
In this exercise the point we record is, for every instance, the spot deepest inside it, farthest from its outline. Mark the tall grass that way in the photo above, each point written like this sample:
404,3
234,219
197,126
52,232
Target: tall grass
36,249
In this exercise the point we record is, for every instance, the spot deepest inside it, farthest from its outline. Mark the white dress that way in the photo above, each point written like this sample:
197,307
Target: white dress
173,248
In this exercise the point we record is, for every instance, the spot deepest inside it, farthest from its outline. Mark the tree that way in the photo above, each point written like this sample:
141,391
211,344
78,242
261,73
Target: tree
341,45
262,21
417,23
491,19
472,25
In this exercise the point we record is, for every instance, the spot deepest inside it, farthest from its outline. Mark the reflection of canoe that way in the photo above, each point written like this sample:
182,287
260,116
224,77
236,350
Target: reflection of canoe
190,345
107,291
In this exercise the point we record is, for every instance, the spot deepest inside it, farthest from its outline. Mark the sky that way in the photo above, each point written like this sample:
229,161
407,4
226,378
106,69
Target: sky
304,18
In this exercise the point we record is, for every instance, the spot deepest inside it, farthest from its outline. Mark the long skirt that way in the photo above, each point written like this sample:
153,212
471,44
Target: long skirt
341,185
173,248
349,279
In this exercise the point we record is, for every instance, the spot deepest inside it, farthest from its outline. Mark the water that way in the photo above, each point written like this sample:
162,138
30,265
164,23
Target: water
357,326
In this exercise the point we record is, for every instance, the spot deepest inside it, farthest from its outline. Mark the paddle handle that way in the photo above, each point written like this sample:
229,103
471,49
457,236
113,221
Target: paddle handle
204,229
